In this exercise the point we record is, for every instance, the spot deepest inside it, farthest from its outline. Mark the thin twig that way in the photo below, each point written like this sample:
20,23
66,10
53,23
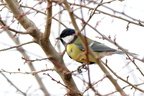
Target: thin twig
13,84
133,61
32,72
17,46
38,11
122,78
137,22
5,27
71,90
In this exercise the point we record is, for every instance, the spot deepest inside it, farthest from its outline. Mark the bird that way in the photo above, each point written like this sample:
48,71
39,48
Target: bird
75,49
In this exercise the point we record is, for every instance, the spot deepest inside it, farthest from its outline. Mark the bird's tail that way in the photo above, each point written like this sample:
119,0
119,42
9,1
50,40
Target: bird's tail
115,52
122,52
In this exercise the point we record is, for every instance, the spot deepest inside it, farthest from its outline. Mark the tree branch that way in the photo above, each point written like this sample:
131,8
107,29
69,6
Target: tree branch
17,46
13,84
45,44
116,85
32,72
32,68
136,22
48,20
22,18
123,79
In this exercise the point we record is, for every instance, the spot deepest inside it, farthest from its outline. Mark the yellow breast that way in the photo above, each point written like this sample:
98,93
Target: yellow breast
78,55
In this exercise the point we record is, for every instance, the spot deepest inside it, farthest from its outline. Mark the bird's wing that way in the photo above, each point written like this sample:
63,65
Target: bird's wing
99,47
95,46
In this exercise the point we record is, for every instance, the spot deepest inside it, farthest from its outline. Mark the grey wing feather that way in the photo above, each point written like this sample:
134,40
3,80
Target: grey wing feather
97,47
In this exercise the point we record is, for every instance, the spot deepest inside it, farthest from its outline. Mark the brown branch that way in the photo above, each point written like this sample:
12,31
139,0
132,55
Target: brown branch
22,18
5,27
70,11
114,42
18,13
116,85
17,46
48,20
25,55
122,78
45,44
27,60
91,15
109,76
137,67
71,92
94,84
32,68
124,88
15,31
32,72
138,22
38,11
13,84
111,41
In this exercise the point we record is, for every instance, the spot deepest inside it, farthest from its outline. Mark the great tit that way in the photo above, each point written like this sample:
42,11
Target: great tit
75,49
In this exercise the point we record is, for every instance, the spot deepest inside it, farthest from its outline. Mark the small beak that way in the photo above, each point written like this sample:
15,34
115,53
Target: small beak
58,38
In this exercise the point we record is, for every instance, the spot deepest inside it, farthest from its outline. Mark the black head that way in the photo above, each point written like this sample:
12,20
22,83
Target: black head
67,32
67,36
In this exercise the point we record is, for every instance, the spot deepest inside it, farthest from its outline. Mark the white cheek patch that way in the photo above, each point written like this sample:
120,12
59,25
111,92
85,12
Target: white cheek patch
68,39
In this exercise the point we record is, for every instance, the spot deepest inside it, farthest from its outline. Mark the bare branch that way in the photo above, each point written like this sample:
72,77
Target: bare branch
19,14
22,18
13,84
48,20
17,46
136,22
32,68
116,85
133,61
71,92
42,39
122,78
27,60
91,15
32,72
38,11
5,27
